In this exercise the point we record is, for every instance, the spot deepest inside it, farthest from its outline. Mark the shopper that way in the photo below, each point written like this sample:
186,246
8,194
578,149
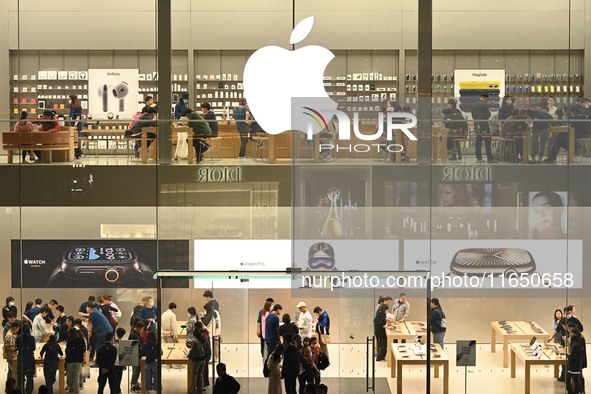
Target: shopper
76,120
49,122
10,320
39,328
151,350
134,335
169,324
106,356
181,106
115,311
120,334
308,369
107,310
136,313
25,347
379,329
291,364
539,132
261,323
322,328
438,322
146,120
82,311
200,354
571,318
51,353
574,330
274,366
150,101
75,349
556,327
213,321
514,127
574,365
226,384
8,308
322,389
401,308
272,328
242,126
33,311
24,126
205,336
192,319
481,116
288,327
209,115
316,350
201,131
305,321
9,349
150,313
457,125
98,325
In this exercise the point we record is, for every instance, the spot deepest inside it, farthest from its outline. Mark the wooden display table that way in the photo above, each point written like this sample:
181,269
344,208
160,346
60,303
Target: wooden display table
407,331
405,354
548,357
182,331
439,143
61,373
172,353
523,330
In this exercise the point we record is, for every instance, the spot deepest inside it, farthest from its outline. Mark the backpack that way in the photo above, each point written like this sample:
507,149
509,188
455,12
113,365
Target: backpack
137,314
323,361
266,370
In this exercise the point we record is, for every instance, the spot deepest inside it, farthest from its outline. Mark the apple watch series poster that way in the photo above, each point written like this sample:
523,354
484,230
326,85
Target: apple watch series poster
96,264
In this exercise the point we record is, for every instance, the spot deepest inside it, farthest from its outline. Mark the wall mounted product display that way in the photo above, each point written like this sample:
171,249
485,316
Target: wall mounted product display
242,255
113,93
537,260
89,263
469,85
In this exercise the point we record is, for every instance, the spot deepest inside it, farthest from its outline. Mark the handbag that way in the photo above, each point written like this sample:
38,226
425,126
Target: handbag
85,372
325,338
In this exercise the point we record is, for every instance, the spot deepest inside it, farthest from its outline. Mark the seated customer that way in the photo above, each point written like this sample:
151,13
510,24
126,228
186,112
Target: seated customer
201,130
49,123
211,119
515,127
148,119
24,126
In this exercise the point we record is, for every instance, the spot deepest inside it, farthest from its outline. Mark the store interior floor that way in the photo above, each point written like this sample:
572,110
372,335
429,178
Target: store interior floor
346,374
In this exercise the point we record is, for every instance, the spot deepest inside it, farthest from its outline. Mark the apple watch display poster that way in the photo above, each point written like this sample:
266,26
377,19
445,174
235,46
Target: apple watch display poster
113,93
87,263
480,258
547,214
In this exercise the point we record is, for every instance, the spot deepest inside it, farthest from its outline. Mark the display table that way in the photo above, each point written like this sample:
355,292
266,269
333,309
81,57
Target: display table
172,353
407,331
61,373
524,330
548,357
405,354
182,332
439,143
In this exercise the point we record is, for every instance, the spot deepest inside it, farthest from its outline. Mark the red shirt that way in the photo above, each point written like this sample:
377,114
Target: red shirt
22,127
50,126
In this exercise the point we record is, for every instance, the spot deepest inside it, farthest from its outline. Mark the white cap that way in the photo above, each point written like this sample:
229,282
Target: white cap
300,304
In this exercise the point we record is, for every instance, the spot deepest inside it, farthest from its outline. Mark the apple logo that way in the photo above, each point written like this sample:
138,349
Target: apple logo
281,85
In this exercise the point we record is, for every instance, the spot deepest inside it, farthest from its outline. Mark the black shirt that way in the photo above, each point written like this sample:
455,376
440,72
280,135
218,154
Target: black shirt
52,351
226,385
5,311
378,325
213,123
75,349
288,328
106,355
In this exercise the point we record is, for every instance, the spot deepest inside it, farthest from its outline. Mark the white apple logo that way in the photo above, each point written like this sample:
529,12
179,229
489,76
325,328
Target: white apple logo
279,83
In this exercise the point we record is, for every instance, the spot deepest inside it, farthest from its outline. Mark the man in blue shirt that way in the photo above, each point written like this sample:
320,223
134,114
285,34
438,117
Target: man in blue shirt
272,328
98,325
322,327
150,312
82,311
34,311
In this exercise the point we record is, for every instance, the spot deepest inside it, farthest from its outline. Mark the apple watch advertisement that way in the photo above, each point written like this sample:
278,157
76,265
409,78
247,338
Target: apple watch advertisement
528,258
92,264
113,93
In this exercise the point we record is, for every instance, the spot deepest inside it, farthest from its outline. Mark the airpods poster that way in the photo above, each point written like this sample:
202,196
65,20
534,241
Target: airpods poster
113,94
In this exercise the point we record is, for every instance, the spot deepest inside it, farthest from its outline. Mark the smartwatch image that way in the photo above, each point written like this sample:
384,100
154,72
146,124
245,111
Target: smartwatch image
100,266
498,261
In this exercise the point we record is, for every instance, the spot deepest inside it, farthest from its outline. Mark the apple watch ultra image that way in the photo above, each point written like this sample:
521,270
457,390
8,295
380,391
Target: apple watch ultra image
496,261
100,266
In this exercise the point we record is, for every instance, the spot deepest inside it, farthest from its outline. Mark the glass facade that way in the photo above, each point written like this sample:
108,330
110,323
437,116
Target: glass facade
462,180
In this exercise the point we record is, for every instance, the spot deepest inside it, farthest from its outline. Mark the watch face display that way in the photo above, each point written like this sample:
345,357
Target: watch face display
100,254
496,260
